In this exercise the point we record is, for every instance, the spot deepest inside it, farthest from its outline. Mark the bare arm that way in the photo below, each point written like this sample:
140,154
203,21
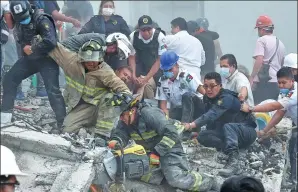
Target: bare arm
257,66
154,69
277,117
9,20
268,107
61,17
132,64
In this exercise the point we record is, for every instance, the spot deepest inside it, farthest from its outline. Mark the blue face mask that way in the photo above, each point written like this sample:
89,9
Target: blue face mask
284,91
26,21
224,72
168,74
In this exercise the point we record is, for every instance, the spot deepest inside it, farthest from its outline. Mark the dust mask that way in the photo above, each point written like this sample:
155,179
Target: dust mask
224,72
108,11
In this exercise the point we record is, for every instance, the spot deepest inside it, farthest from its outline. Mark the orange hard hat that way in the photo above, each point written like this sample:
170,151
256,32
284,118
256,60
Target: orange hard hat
264,21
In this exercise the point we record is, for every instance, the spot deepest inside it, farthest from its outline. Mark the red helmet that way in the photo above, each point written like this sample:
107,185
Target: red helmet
264,21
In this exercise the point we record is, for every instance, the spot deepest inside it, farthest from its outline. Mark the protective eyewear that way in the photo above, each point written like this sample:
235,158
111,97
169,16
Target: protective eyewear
209,86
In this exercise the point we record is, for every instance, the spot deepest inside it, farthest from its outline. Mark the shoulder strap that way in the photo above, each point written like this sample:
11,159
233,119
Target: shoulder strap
156,34
277,44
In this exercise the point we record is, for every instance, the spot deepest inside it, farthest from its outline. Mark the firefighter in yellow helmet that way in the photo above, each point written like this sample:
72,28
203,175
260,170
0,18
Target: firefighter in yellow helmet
91,84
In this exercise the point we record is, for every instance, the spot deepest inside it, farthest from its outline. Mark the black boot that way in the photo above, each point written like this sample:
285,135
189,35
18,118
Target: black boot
232,167
56,129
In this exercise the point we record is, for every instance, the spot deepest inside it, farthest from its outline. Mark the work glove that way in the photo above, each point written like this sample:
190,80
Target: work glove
114,144
154,158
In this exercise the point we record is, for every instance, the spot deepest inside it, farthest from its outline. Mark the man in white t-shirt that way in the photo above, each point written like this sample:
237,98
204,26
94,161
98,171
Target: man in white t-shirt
235,80
285,106
187,47
145,61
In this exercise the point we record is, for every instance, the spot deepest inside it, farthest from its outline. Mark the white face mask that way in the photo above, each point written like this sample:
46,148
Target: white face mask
107,11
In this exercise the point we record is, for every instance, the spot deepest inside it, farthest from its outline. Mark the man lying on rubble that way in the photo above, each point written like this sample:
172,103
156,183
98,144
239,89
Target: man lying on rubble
9,170
285,106
227,128
235,80
90,86
149,127
182,89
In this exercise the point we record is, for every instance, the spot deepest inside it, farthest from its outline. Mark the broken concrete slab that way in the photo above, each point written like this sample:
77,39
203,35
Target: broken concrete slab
37,142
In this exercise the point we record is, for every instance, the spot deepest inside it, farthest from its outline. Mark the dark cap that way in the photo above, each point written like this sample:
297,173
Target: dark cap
145,22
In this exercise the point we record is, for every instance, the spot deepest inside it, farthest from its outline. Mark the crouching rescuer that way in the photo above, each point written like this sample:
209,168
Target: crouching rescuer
149,127
91,84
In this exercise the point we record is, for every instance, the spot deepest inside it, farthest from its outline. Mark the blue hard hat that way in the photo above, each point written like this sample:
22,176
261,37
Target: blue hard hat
203,23
167,60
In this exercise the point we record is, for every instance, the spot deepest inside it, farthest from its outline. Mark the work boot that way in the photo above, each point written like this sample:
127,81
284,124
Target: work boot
20,96
57,130
232,167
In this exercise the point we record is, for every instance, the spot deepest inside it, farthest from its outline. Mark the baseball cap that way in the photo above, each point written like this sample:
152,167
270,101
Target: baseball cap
145,22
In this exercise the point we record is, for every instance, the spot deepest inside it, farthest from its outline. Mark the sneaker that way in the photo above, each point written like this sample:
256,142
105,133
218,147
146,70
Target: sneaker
20,96
5,118
41,93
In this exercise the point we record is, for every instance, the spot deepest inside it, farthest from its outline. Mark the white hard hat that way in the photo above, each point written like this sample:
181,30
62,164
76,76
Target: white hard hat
8,163
112,38
124,49
291,60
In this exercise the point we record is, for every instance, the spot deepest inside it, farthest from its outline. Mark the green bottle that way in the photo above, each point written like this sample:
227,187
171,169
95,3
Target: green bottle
34,81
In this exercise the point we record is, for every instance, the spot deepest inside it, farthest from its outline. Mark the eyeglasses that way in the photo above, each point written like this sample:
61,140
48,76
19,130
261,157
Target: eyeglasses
146,29
211,86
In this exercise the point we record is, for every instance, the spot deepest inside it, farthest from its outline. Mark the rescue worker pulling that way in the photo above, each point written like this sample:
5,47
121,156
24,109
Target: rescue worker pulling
29,23
90,86
149,127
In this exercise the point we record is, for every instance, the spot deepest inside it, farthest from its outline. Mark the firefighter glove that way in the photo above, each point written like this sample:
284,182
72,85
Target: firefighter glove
154,159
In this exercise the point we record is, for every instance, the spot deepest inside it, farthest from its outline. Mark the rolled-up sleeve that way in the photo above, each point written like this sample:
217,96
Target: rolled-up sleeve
259,49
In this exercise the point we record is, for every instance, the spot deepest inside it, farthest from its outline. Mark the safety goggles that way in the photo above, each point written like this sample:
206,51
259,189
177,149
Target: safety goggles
91,55
17,183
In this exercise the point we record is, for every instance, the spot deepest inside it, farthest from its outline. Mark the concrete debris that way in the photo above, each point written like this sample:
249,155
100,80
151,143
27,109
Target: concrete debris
71,162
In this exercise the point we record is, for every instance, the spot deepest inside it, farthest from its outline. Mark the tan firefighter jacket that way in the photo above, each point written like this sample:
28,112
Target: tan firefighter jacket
93,86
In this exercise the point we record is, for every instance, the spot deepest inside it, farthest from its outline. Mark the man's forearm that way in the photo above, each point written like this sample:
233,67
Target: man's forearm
153,70
257,67
277,117
61,17
244,92
132,64
268,107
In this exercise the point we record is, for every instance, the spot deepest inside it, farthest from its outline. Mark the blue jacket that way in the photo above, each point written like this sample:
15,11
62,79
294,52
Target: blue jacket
97,24
224,108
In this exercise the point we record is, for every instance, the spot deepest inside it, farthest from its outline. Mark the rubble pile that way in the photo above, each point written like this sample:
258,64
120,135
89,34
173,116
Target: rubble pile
264,162
55,160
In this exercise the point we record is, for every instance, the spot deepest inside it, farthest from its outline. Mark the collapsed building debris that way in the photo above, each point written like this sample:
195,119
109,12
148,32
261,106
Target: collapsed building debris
69,163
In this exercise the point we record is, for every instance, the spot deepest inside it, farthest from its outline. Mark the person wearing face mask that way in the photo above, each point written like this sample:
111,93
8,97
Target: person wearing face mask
286,106
189,49
235,80
106,22
30,23
269,55
227,128
148,126
182,89
291,62
91,84
145,59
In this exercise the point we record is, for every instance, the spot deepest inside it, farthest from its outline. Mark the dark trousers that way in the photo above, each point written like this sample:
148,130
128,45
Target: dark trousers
265,90
293,155
26,67
229,138
192,108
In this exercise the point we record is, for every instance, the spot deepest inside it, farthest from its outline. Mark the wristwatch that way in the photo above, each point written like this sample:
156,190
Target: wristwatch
251,108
